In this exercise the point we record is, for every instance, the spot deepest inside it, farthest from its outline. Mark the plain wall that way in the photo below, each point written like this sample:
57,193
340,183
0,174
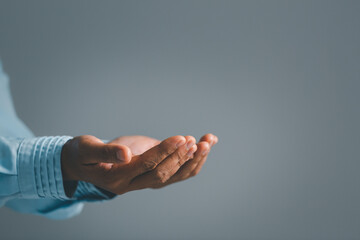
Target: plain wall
277,81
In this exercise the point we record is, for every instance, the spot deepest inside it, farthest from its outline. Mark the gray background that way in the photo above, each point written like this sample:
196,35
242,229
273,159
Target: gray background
277,81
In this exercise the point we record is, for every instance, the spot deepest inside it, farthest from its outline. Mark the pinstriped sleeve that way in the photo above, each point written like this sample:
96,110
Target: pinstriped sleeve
40,172
39,167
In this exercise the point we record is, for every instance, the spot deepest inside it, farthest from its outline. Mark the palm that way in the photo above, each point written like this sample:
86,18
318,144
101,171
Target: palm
137,144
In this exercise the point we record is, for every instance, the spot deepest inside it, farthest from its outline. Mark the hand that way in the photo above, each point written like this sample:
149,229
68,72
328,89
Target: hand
140,144
191,168
87,158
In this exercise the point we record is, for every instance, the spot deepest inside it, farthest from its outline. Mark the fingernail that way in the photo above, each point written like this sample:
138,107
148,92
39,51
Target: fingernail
120,155
189,145
180,143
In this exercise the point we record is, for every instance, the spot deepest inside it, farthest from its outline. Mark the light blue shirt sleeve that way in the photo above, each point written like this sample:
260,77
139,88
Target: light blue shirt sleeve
30,168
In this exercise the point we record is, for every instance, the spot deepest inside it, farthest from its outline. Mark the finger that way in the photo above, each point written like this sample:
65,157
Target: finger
210,138
187,170
199,165
168,167
94,151
151,158
172,164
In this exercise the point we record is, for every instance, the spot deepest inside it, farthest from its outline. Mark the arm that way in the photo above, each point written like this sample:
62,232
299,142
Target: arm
47,177
31,178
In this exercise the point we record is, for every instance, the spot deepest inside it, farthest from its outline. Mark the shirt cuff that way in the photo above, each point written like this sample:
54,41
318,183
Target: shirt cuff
39,167
89,192
39,172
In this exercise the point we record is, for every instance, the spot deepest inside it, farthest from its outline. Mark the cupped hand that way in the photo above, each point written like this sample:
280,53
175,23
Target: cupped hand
140,144
114,167
87,158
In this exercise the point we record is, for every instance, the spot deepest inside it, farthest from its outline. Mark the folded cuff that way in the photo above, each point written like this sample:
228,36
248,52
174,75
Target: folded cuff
39,168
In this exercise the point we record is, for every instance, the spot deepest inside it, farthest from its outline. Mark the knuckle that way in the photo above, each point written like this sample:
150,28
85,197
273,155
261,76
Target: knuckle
160,176
180,154
177,156
149,165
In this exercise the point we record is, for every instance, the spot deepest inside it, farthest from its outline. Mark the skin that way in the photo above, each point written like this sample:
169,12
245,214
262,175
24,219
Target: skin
134,162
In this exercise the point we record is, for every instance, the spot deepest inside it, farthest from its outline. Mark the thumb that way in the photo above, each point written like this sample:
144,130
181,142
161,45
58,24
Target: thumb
95,151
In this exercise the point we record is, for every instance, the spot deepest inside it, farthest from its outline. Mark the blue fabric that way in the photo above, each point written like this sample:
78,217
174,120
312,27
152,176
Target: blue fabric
30,168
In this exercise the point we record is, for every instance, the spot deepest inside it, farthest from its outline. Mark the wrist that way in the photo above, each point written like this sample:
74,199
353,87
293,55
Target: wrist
67,162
